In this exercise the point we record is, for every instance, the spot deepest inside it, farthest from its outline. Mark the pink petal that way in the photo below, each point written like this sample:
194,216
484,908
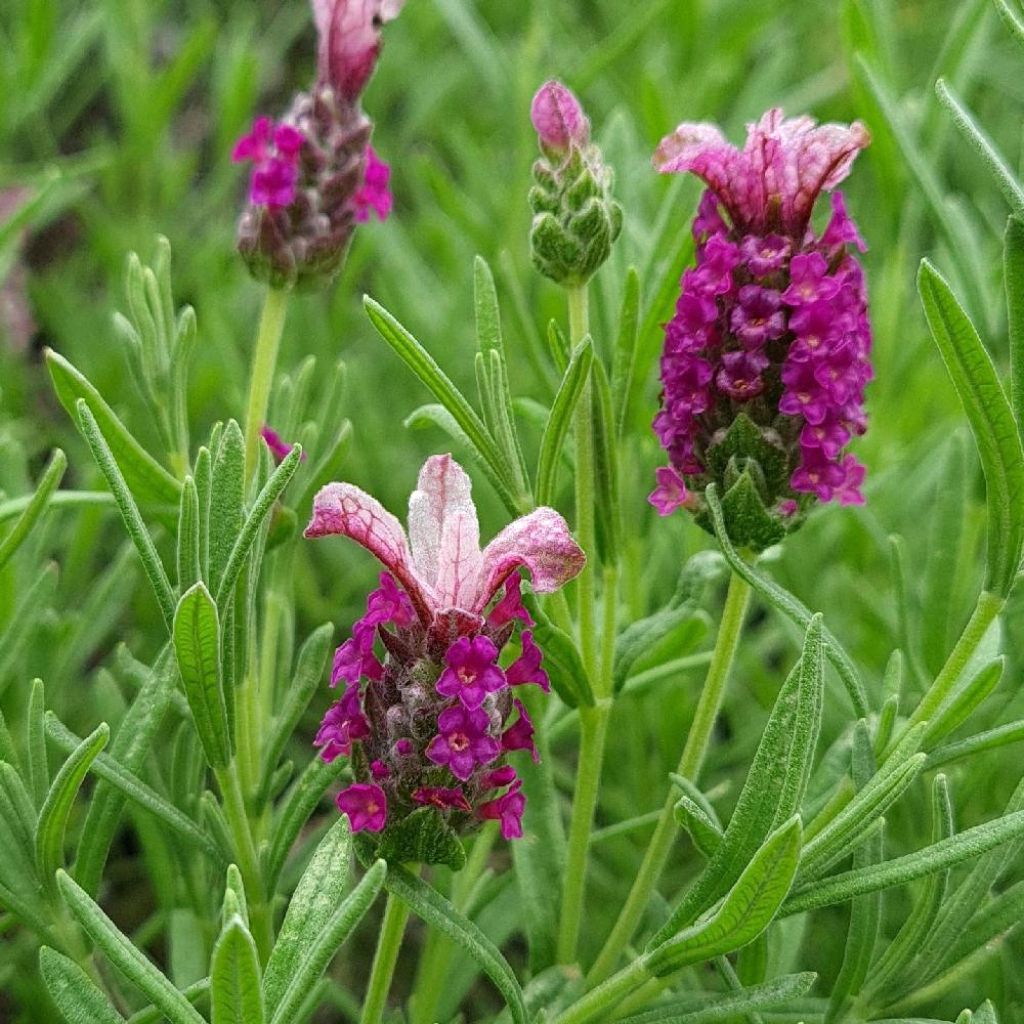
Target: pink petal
539,541
558,117
444,532
349,32
347,510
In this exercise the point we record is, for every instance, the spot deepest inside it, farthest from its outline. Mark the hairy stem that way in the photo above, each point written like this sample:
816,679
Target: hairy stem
389,942
694,752
264,363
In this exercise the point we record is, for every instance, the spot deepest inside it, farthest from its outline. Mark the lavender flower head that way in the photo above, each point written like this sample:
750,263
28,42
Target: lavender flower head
575,218
768,354
314,173
428,714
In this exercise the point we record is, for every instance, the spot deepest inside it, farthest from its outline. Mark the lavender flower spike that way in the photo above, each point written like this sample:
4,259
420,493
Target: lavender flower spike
428,717
768,354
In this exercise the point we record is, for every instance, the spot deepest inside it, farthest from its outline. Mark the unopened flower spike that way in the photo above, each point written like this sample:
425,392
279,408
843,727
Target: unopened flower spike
428,715
768,354
575,218
314,172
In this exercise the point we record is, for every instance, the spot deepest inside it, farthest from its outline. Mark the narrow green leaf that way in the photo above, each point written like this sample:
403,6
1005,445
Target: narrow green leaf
995,431
130,748
726,1006
624,357
1011,19
899,871
321,947
783,601
606,466
694,813
35,742
53,817
151,1015
774,787
309,673
560,419
197,646
235,903
227,500
48,483
305,794
960,704
189,559
144,475
748,908
1013,276
422,363
124,956
485,304
432,908
558,343
562,658
136,790
151,563
74,993
27,613
17,831
1001,736
246,538
318,893
983,145
236,996
204,486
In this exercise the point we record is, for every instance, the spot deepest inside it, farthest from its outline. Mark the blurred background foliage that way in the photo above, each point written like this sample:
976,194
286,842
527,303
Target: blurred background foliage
118,117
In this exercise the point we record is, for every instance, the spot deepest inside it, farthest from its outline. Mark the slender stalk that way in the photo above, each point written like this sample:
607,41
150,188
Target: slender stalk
389,942
264,363
593,720
690,763
598,1004
248,862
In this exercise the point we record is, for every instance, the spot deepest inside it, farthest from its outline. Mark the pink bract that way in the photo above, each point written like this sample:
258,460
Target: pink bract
440,564
349,33
558,117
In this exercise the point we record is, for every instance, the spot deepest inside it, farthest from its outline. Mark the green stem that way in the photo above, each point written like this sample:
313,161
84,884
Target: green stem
264,363
594,720
597,1005
694,752
13,507
248,862
389,942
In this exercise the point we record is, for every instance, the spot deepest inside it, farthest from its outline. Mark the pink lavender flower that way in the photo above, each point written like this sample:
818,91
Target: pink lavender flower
768,354
463,741
428,716
314,173
507,809
472,672
366,806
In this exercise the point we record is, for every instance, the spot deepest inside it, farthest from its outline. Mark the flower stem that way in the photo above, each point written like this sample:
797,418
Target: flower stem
389,942
264,363
694,752
598,1004
248,861
593,720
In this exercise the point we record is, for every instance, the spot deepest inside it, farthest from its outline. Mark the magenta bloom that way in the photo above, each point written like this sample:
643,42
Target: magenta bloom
277,445
472,671
428,715
464,741
374,194
507,809
768,354
558,117
366,806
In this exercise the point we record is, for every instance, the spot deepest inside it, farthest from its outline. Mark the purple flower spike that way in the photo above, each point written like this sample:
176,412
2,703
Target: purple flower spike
519,736
670,493
558,117
526,668
463,741
471,673
507,809
366,806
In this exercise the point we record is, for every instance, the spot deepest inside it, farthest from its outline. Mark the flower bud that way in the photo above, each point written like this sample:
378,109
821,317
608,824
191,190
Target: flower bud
575,218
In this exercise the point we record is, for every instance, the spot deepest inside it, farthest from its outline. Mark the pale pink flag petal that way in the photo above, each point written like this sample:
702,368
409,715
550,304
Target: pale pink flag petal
539,541
346,510
442,519
349,32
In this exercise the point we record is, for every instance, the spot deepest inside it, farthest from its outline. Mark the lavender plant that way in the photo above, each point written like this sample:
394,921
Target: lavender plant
686,763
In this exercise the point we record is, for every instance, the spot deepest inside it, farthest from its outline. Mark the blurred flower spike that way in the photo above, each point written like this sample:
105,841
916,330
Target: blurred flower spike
575,218
429,714
314,173
767,357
